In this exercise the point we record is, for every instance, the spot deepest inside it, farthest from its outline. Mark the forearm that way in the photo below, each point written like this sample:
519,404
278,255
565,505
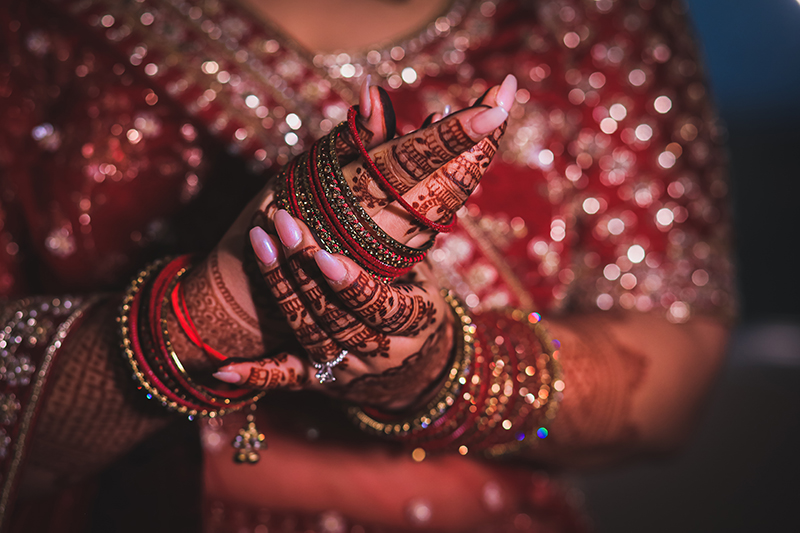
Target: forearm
92,413
634,383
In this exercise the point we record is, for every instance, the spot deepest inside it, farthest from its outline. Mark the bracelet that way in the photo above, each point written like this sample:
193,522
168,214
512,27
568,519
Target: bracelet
158,371
391,191
314,189
230,400
507,397
548,396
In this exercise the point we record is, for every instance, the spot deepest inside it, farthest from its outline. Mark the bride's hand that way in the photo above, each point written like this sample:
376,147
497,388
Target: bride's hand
398,336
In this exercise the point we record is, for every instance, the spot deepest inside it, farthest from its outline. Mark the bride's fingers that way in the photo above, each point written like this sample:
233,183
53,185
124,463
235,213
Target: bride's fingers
392,309
408,160
376,121
349,330
503,95
284,371
440,195
314,340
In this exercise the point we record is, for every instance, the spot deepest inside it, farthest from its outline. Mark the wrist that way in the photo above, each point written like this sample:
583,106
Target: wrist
222,314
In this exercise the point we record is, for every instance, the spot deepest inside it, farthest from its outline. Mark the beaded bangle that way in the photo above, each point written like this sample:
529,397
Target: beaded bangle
134,355
550,390
374,232
156,368
314,189
505,402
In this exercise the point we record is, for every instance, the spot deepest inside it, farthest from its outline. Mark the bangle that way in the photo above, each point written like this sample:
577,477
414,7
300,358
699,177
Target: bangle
391,191
230,400
314,189
506,399
149,354
548,396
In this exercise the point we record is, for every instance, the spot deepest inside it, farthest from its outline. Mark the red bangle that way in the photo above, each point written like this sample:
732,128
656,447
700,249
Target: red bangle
178,300
388,188
144,365
346,240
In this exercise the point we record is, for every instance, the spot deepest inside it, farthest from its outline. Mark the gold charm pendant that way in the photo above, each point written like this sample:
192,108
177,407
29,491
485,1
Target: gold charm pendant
249,441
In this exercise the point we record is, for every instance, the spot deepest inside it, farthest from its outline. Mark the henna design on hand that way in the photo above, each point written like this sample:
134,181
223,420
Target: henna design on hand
603,378
261,378
346,145
366,190
403,382
218,322
412,158
92,415
445,191
347,330
395,312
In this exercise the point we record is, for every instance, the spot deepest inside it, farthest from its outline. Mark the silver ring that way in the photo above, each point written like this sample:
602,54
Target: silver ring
325,370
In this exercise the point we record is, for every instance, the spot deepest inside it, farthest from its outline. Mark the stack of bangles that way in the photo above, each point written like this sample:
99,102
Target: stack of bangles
314,189
157,369
498,397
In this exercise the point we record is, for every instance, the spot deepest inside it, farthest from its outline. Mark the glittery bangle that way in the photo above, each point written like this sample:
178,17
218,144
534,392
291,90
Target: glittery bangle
548,396
313,188
152,373
229,400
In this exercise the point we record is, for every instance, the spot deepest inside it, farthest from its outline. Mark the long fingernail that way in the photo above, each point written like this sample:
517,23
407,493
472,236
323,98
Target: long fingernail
331,268
389,118
365,102
287,229
263,246
228,377
488,120
507,93
446,111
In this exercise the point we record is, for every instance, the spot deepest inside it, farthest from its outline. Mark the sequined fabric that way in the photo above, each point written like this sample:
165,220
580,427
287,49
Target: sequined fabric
608,193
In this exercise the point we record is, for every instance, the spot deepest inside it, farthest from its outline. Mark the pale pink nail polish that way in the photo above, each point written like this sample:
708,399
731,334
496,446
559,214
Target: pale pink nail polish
365,102
287,229
228,377
507,92
263,246
488,120
331,268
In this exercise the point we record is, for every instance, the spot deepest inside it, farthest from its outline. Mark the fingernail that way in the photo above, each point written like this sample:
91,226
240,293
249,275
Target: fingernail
507,92
488,120
263,246
446,111
365,103
389,118
428,121
228,377
331,268
287,229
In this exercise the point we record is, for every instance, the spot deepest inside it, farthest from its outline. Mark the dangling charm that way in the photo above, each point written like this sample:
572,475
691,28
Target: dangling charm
249,441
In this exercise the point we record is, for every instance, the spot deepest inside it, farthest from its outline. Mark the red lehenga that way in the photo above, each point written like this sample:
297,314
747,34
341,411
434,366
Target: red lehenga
126,122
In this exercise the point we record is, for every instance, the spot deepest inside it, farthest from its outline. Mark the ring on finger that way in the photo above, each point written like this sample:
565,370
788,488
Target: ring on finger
325,370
